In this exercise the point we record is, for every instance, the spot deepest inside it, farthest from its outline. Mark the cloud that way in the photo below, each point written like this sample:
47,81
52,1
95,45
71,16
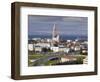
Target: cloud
65,25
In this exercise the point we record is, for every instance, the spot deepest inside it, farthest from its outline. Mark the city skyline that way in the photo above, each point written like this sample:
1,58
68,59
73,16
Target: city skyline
41,25
57,40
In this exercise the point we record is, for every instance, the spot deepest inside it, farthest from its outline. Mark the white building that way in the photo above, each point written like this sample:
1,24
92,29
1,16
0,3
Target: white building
66,59
77,48
68,40
30,47
55,49
49,40
59,49
46,45
38,49
64,49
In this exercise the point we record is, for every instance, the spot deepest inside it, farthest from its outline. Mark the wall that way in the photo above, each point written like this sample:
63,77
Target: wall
5,40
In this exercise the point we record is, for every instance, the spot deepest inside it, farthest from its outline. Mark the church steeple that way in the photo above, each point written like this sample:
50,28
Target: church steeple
55,34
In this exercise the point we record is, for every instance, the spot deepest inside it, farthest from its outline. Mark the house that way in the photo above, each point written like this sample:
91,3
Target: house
30,47
67,59
77,48
38,49
43,44
63,49
55,49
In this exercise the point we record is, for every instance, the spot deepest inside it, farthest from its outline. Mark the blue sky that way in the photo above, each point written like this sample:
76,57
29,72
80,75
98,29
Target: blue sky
41,25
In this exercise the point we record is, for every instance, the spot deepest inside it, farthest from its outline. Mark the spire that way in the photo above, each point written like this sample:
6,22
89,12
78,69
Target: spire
54,29
55,35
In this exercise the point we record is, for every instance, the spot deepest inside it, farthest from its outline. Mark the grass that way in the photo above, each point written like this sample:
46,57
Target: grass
80,59
35,56
53,62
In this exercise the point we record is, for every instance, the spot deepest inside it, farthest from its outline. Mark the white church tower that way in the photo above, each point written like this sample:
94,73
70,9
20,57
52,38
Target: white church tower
55,39
55,34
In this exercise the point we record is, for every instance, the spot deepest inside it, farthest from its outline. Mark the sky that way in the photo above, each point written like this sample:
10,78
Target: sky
66,25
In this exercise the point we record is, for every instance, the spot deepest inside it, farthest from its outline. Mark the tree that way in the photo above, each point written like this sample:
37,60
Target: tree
44,50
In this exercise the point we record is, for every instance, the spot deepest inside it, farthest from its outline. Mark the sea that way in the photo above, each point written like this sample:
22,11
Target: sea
62,37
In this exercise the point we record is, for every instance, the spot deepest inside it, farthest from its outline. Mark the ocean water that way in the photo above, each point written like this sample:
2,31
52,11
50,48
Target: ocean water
62,37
